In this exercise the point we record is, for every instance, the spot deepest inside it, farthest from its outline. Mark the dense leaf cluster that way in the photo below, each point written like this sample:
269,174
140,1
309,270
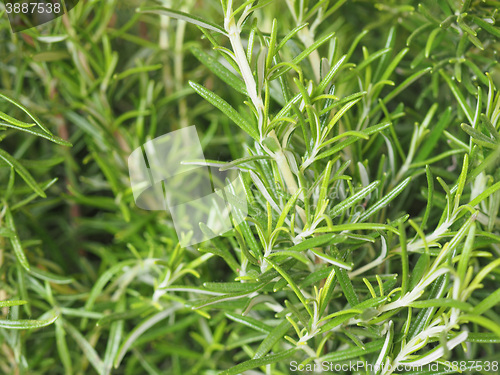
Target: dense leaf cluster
367,137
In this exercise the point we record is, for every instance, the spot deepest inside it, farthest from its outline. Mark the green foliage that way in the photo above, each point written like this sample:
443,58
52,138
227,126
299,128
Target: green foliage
341,117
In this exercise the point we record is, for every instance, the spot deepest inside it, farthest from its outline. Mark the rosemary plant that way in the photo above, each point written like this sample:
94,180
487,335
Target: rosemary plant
366,137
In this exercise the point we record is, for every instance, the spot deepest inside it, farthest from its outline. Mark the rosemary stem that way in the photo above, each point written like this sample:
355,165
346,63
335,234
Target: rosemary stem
251,86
